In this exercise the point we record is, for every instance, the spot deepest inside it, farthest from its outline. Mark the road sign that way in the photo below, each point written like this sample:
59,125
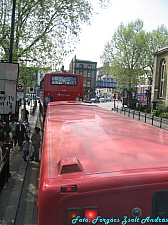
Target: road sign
20,95
20,86
31,90
8,83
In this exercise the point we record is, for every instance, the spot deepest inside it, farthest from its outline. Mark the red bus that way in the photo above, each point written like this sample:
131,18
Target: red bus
60,87
99,167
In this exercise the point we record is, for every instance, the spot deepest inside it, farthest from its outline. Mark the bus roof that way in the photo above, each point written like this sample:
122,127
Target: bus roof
101,141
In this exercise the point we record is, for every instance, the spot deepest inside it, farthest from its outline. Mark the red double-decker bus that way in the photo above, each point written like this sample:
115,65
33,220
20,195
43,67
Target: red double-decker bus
60,87
99,167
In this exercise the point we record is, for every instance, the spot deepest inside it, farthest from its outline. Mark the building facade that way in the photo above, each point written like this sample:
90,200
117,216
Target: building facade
88,70
105,84
160,76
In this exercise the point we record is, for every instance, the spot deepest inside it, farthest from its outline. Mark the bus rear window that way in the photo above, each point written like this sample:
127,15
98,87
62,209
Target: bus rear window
64,80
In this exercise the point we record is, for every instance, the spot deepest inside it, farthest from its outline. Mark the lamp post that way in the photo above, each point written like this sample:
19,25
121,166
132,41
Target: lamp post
114,97
12,31
7,143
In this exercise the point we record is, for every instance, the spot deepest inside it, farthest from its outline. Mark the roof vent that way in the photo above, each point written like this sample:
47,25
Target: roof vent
69,165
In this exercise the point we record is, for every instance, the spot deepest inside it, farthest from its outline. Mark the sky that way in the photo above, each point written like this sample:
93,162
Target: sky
94,37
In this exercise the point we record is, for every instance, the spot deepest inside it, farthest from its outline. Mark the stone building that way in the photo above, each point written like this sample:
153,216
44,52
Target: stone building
160,76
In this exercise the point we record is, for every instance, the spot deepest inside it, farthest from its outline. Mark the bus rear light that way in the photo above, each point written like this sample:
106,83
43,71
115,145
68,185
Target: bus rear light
72,214
77,99
90,213
70,188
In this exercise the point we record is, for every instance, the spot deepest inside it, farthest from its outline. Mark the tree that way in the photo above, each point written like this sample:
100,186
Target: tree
129,53
124,53
156,39
45,30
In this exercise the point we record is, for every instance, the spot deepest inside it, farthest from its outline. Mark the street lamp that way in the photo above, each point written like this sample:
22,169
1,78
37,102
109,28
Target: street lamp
12,31
7,143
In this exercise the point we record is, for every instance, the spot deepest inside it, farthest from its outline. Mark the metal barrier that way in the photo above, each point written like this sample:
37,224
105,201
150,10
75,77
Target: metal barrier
144,117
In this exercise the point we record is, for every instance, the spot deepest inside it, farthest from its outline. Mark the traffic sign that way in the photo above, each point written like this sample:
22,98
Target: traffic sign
19,87
31,90
20,95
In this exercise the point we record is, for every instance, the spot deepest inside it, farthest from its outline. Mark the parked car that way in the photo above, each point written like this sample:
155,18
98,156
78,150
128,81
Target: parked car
102,99
108,99
94,100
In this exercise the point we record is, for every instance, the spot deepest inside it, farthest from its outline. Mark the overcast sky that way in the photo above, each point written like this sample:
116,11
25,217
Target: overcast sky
93,38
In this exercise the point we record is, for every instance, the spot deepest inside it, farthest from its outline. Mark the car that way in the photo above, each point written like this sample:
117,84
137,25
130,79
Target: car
102,99
94,100
108,99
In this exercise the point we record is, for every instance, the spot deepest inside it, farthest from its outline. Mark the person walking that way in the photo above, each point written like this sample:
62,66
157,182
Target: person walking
26,115
26,147
12,127
27,128
2,137
20,133
28,100
2,132
36,139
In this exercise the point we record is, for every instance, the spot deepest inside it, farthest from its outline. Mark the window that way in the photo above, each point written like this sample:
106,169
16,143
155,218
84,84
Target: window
89,74
88,84
64,80
81,69
162,77
89,71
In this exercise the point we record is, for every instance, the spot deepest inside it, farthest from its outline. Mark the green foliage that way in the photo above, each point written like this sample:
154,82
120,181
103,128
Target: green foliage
143,108
161,110
46,31
165,115
129,54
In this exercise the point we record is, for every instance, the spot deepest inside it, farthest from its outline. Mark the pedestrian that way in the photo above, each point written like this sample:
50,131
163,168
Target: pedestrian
28,100
26,147
20,133
36,139
27,128
2,132
26,114
12,128
2,137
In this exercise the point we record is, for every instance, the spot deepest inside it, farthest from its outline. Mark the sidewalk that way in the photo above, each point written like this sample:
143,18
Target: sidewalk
10,195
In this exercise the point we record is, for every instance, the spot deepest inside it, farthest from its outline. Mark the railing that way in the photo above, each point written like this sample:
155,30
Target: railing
144,117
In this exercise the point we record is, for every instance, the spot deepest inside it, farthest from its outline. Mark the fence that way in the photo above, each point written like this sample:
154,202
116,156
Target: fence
144,117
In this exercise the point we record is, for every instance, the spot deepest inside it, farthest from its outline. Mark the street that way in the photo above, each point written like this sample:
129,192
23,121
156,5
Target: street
109,105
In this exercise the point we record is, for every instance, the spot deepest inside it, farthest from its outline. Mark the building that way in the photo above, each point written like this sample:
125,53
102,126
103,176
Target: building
160,76
105,84
88,70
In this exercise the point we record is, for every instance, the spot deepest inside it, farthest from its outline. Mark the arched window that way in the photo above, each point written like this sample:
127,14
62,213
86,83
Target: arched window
162,77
